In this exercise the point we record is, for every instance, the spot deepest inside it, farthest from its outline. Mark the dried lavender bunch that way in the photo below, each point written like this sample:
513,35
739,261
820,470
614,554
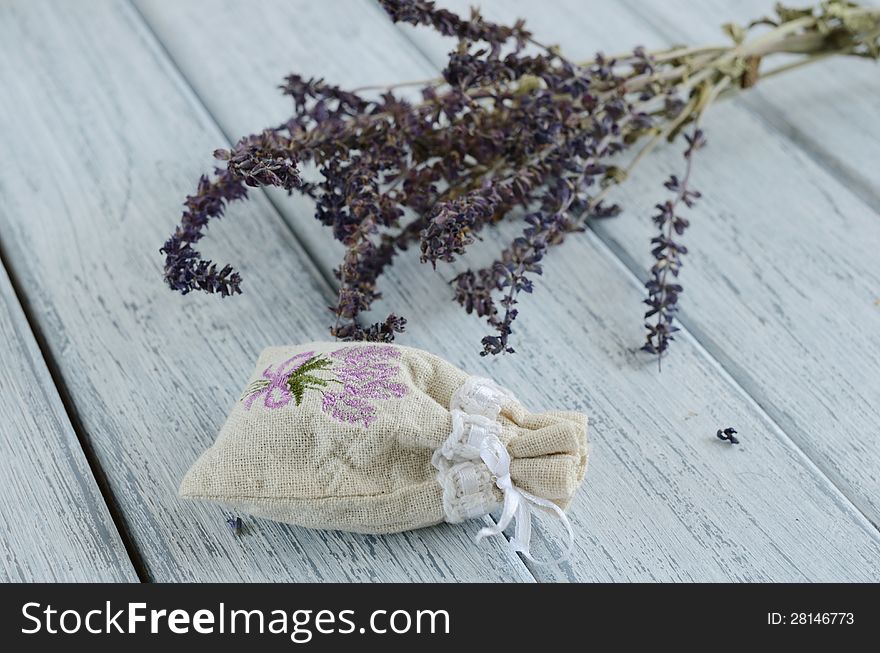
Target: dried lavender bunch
512,130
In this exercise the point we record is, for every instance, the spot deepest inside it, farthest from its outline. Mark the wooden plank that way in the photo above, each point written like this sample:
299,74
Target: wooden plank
55,525
102,143
780,284
829,109
664,499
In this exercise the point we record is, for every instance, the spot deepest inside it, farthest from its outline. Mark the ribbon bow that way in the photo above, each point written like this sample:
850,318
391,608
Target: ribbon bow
518,504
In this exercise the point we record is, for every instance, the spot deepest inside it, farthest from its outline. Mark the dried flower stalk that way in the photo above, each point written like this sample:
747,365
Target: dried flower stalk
510,124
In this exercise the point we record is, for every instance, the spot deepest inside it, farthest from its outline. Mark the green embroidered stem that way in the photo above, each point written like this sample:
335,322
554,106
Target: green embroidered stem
301,380
254,388
298,381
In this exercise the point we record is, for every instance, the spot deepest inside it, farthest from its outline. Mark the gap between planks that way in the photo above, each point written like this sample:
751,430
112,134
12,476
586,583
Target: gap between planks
845,175
69,411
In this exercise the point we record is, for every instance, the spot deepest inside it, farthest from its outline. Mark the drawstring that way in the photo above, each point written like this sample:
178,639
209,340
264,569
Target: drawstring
518,504
467,493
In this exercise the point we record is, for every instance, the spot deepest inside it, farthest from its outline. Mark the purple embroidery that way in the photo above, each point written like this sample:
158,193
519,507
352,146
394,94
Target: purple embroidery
367,375
360,377
273,386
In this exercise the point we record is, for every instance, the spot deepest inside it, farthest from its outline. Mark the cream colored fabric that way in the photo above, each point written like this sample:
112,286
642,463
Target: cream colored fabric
339,461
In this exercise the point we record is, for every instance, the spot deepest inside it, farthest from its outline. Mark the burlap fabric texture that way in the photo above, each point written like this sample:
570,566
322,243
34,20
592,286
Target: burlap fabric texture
359,437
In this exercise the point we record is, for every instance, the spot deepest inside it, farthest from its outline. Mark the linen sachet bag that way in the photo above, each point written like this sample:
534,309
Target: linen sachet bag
379,438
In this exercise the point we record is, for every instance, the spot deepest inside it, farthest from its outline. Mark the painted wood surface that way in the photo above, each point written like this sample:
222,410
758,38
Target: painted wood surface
664,499
55,525
102,142
781,284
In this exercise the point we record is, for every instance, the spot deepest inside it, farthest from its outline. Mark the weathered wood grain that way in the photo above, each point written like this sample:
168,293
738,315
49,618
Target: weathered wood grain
102,141
780,284
55,525
664,500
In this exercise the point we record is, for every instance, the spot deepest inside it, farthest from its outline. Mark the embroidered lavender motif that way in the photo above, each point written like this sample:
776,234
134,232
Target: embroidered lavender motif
289,380
367,375
363,375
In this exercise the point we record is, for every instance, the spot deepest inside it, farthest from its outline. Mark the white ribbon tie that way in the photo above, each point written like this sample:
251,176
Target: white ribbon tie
475,429
518,504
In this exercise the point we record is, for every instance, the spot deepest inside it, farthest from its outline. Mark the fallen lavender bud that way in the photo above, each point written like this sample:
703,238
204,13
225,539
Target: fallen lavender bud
234,524
728,434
